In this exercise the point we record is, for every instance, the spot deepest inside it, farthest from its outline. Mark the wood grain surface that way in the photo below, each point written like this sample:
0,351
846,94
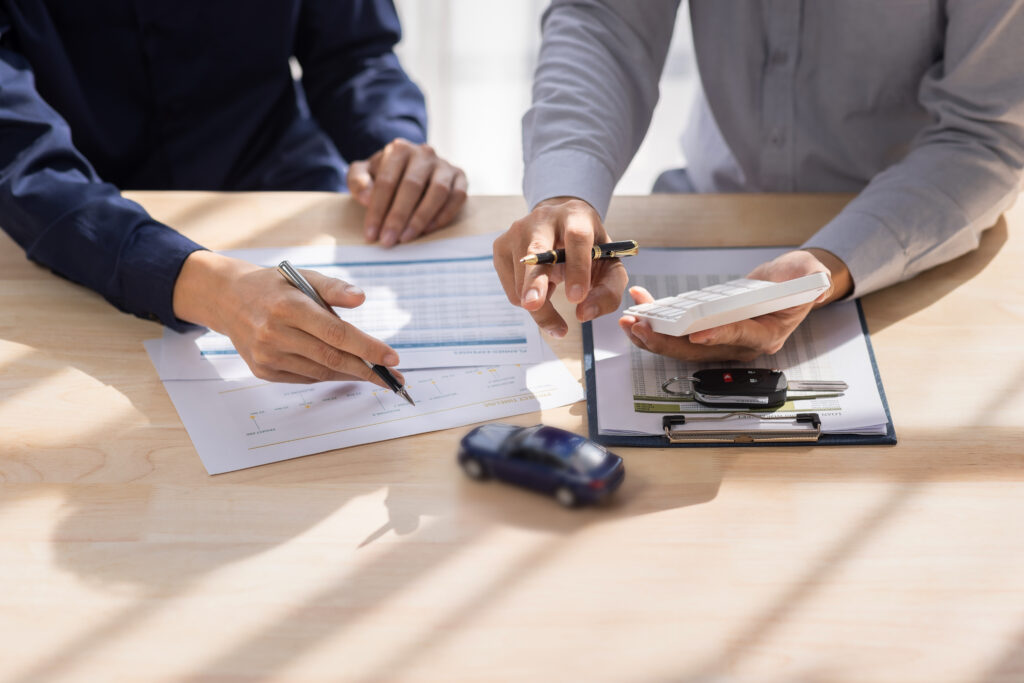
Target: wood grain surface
120,559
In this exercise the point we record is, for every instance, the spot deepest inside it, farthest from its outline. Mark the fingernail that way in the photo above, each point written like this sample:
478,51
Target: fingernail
370,231
389,238
576,293
390,358
531,296
406,236
697,338
640,331
556,332
352,290
589,312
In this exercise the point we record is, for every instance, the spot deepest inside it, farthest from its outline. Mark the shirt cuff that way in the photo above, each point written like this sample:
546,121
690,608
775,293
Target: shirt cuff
149,268
388,129
569,173
868,247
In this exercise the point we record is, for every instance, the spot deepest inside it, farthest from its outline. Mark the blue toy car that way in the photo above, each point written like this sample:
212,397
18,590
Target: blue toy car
574,469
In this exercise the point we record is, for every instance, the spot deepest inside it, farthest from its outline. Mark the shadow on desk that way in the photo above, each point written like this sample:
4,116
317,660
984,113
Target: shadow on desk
159,526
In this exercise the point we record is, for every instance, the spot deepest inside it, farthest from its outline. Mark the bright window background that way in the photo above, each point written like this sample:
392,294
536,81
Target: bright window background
474,60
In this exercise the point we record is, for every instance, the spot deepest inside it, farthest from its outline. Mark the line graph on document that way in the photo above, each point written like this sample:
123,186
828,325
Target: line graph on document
267,413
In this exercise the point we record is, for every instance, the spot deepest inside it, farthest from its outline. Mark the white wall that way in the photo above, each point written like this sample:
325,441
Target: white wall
474,60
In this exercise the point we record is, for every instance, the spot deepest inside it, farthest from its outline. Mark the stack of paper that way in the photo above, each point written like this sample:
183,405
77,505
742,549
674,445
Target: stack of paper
467,356
829,345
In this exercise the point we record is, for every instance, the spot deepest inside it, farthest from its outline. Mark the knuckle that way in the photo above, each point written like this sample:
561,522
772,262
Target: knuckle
386,182
545,213
337,335
322,373
414,183
536,245
262,372
277,307
263,335
332,357
261,356
578,234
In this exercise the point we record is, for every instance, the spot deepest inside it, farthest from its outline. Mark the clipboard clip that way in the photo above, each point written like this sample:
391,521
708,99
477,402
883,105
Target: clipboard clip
805,427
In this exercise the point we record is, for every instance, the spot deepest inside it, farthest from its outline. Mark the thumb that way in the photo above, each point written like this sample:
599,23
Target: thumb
360,182
334,291
640,295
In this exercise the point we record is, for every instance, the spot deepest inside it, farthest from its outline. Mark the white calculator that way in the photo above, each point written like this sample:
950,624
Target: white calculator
727,303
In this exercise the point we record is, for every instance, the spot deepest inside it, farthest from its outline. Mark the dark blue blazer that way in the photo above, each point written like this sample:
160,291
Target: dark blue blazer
97,95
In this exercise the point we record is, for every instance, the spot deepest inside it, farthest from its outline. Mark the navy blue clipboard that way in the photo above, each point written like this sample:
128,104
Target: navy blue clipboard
590,373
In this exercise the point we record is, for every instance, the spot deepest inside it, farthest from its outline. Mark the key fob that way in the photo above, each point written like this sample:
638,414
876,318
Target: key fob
740,388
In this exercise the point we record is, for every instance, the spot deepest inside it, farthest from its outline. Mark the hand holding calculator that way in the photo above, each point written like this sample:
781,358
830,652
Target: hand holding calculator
726,303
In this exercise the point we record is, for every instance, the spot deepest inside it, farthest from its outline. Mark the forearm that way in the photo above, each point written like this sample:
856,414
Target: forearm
356,87
961,172
594,92
56,208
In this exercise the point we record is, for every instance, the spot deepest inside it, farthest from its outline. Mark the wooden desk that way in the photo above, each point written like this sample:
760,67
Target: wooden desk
120,559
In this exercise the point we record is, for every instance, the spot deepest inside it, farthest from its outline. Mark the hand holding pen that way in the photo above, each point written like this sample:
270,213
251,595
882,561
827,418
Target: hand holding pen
562,231
295,278
280,333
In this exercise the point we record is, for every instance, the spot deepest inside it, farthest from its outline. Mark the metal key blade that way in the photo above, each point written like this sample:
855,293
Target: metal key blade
808,385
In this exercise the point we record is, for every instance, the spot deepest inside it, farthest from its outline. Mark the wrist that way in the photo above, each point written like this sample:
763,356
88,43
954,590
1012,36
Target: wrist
559,201
203,278
842,281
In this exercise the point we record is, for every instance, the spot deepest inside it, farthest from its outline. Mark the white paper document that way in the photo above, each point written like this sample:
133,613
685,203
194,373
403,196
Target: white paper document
242,423
438,304
828,345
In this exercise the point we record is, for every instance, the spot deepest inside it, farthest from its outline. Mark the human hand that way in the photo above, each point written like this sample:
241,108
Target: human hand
407,190
562,222
747,339
283,335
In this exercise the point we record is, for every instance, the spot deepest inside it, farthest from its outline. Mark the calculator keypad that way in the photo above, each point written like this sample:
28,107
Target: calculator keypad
671,308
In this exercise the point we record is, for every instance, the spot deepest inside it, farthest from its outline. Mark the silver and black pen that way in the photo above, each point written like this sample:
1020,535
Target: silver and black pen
302,284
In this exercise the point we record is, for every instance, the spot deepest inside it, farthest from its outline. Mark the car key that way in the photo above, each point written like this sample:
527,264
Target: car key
752,387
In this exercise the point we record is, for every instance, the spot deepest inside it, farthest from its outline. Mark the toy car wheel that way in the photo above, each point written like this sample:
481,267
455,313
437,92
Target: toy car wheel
473,469
565,496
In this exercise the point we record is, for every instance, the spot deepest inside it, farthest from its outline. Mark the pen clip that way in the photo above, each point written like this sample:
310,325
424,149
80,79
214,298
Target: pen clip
624,248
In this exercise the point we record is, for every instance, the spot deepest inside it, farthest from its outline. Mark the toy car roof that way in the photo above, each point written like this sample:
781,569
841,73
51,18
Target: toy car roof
552,440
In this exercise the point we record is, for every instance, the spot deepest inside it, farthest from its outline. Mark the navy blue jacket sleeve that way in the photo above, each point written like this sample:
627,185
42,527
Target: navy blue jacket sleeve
355,86
54,205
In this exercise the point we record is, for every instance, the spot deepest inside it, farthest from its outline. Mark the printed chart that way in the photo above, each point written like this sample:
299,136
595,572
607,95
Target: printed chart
236,424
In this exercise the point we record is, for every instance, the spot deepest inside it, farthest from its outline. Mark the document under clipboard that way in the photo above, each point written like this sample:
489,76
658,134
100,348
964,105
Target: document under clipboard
797,427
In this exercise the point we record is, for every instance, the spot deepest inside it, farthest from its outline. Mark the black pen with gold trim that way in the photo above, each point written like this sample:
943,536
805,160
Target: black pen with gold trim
598,251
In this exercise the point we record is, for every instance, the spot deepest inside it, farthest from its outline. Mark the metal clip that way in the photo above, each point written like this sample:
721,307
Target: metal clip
806,428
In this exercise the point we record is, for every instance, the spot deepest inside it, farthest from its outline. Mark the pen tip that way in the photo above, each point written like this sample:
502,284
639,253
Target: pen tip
405,395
